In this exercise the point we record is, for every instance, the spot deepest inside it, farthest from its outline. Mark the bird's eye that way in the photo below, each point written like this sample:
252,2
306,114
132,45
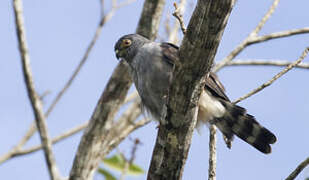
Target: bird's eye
126,43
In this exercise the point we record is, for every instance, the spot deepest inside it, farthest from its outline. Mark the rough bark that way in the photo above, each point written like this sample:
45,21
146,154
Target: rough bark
197,52
149,22
90,149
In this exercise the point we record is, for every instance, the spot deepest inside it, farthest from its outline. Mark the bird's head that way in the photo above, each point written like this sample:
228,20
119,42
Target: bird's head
127,46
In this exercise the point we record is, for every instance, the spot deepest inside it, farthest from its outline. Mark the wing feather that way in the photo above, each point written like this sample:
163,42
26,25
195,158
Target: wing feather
213,85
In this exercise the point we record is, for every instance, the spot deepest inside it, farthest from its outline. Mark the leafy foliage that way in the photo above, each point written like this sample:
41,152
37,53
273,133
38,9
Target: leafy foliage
106,174
117,162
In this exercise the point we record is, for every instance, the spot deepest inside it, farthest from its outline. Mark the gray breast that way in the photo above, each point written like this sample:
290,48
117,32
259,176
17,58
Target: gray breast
151,77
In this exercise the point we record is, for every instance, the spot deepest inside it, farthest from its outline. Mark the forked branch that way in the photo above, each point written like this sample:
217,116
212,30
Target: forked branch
277,76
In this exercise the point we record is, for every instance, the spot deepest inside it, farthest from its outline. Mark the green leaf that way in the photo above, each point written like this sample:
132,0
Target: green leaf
135,170
106,174
117,162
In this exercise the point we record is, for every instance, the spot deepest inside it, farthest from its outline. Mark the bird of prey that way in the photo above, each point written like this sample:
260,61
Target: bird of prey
151,65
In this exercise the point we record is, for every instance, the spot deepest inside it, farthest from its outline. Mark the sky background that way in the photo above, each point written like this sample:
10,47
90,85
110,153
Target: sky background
58,33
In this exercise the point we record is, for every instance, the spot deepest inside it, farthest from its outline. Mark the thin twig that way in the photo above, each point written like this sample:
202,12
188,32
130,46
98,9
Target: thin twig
20,152
122,4
258,39
265,18
44,94
131,97
277,35
173,33
177,14
103,20
129,162
289,67
134,149
33,96
122,134
32,129
124,126
244,43
263,62
212,153
58,138
102,8
299,168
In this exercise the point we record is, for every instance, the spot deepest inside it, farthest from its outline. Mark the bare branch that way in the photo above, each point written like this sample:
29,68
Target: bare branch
212,153
102,8
265,18
149,22
178,15
90,149
43,95
104,19
130,161
263,62
277,35
173,33
202,38
123,3
32,129
9,154
131,97
122,134
33,96
299,168
124,126
277,76
62,136
244,43
258,39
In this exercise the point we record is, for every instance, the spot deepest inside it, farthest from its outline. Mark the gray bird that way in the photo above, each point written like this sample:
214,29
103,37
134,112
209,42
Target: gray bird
151,66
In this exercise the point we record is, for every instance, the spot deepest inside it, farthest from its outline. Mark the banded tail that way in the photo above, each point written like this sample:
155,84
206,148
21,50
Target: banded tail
237,121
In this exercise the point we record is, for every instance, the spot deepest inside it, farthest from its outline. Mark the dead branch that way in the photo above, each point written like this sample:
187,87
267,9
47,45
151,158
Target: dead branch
129,162
174,138
90,149
244,43
263,62
173,33
103,20
131,97
124,126
178,15
33,96
212,153
58,138
277,35
258,39
298,169
277,76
